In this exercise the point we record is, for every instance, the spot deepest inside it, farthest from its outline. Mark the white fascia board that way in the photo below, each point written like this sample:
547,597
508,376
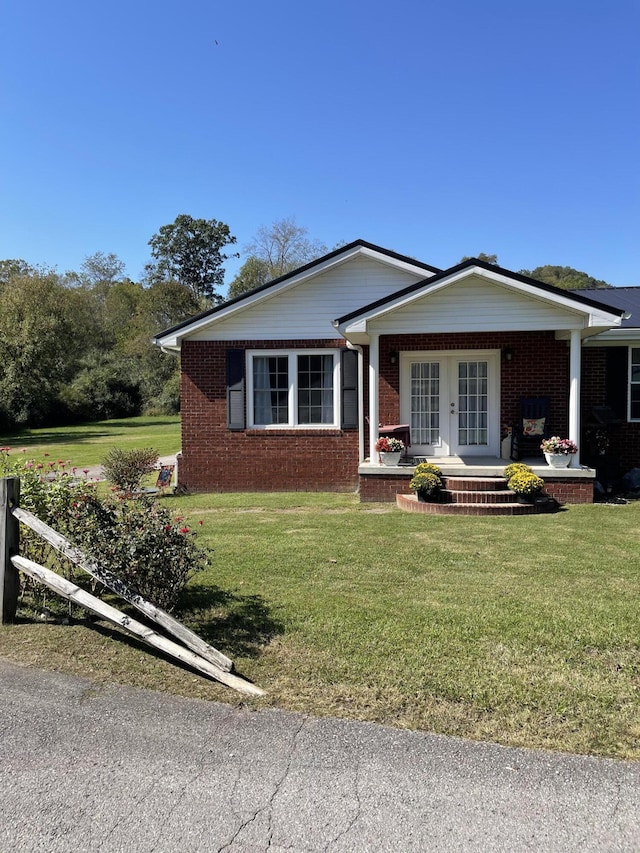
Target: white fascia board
166,344
614,337
596,316
397,264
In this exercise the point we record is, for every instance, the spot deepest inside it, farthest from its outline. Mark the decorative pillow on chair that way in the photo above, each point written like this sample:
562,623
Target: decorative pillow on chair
533,426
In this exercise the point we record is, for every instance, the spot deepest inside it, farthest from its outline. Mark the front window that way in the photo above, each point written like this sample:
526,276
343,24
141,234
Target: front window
293,389
634,384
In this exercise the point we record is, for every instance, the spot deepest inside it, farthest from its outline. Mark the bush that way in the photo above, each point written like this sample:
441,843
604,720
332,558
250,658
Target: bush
46,491
135,540
167,402
426,482
427,468
103,389
526,483
515,468
139,542
126,468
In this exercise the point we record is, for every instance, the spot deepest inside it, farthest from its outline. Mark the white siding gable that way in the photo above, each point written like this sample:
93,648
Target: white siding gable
476,305
306,310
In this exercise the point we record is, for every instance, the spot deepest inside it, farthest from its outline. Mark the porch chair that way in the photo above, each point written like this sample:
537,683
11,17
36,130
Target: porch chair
531,428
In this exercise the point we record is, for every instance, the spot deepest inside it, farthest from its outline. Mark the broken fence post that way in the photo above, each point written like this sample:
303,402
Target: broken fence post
9,547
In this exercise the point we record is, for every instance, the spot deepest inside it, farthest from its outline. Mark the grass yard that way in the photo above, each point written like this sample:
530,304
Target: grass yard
523,631
85,445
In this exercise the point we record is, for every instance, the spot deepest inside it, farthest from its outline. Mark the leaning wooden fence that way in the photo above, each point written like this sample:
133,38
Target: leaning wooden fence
197,654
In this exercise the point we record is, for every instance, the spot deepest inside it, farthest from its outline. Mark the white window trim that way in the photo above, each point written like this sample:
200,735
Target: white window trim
292,356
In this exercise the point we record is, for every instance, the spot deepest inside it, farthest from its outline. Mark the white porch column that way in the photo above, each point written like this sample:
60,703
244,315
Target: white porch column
374,409
575,350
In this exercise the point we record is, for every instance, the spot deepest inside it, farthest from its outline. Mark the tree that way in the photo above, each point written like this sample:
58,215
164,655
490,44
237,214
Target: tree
274,251
100,270
12,268
43,335
488,259
565,277
253,273
190,251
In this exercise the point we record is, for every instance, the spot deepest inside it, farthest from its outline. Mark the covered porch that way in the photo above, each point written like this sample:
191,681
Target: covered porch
453,357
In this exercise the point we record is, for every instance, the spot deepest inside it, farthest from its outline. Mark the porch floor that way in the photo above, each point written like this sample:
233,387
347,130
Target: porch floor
475,466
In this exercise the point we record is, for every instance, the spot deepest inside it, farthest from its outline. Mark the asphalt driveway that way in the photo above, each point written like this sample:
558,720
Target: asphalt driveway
90,768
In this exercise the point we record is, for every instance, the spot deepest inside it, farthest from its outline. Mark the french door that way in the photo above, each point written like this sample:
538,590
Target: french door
451,401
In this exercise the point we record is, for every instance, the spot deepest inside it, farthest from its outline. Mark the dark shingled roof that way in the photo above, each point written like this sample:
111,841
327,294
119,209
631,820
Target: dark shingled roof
622,298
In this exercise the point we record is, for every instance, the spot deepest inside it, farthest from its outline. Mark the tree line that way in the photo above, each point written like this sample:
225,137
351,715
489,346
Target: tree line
77,346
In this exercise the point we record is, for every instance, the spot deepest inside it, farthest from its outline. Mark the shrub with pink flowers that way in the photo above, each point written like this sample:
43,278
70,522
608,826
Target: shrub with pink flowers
137,541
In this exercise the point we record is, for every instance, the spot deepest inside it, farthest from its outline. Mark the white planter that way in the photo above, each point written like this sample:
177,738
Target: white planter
558,460
390,458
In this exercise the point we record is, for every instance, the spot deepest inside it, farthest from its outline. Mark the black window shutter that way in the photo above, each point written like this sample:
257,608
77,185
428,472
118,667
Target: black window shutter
349,388
617,380
235,389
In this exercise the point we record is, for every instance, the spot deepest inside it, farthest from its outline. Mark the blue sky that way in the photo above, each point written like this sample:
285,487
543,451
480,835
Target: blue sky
434,129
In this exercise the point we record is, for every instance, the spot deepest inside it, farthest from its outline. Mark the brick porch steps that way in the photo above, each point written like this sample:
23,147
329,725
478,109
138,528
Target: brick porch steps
469,496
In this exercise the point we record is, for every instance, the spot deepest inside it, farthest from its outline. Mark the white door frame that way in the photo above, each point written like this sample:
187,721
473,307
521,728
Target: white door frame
449,426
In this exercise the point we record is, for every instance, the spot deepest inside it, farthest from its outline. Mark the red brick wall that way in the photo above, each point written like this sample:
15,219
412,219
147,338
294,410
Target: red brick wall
624,439
215,458
311,460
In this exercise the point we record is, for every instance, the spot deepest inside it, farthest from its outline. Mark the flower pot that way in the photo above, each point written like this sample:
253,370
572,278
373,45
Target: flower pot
527,499
427,497
558,460
390,458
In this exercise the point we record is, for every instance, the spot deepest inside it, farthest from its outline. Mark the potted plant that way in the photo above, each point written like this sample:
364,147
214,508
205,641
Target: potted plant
426,482
389,450
558,451
526,485
514,468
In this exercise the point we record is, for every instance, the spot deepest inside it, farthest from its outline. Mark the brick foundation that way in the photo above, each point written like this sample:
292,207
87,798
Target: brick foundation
384,488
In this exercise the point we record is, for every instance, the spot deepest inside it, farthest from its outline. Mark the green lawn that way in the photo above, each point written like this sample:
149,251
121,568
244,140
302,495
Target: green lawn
521,630
86,444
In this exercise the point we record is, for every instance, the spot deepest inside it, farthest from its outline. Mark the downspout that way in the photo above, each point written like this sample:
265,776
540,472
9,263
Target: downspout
360,352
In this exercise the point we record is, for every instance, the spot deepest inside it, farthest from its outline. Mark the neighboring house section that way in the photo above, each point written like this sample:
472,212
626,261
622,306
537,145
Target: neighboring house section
284,387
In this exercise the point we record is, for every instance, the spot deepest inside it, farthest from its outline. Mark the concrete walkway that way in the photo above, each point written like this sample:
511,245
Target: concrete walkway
91,768
96,472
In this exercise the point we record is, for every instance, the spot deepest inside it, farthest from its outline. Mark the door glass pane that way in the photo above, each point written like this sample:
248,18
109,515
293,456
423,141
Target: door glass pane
425,402
472,403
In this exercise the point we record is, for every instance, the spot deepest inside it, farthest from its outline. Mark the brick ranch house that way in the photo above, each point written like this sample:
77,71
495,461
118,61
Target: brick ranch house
283,388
